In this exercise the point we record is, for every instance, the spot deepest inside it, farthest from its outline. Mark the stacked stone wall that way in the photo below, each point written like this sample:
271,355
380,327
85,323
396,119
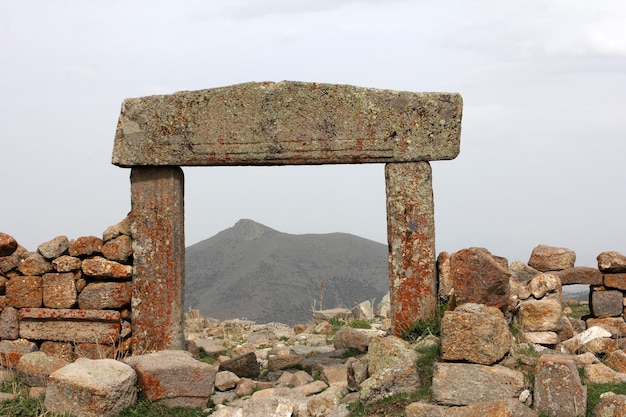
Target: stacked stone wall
69,298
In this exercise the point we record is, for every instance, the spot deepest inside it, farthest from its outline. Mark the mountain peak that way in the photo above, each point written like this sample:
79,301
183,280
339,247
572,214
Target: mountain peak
246,229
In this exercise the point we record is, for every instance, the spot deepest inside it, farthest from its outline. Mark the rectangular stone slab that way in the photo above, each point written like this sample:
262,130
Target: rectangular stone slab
70,325
287,123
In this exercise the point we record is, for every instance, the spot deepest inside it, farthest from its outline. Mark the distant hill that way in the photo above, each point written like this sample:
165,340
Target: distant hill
252,271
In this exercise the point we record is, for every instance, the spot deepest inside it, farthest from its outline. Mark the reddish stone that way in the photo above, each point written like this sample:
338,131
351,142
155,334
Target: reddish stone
118,249
59,290
8,263
158,224
12,350
444,274
611,262
62,350
558,390
94,351
411,237
122,228
8,244
86,246
64,325
54,248
579,275
479,278
34,264
609,303
548,258
105,295
103,268
9,324
66,263
615,281
614,325
24,292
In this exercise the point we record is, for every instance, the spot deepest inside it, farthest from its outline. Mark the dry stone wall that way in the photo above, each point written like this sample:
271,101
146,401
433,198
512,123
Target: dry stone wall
69,298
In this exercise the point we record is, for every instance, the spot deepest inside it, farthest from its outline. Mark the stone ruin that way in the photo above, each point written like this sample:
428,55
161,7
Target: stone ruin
286,123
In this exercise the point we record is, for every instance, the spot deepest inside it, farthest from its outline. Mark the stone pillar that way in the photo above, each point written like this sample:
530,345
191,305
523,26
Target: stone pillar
157,225
411,237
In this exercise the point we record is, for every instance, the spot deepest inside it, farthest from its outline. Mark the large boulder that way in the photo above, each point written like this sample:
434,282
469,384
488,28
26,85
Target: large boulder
611,262
558,390
480,277
475,333
174,378
34,368
465,383
91,388
549,258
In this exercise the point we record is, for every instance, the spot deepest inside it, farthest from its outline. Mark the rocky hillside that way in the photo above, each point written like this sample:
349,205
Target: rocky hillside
252,271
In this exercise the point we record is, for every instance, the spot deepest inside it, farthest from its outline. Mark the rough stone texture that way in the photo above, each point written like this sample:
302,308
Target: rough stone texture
599,373
62,350
609,303
383,309
66,263
463,383
599,346
541,338
245,365
174,378
610,405
385,351
579,275
59,290
105,295
91,388
118,249
611,262
363,311
287,123
446,286
62,325
544,284
94,351
558,390
332,313
549,258
121,228
521,272
539,315
478,277
12,350
54,248
9,324
616,360
614,325
8,244
34,368
507,407
104,268
157,224
424,410
615,281
357,372
86,246
475,333
277,362
347,338
575,343
34,264
411,237
226,380
24,291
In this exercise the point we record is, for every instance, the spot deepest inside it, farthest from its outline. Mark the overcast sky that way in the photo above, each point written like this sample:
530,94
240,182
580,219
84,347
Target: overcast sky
543,140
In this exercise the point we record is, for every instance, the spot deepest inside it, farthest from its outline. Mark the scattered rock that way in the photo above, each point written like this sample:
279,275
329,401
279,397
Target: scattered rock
548,258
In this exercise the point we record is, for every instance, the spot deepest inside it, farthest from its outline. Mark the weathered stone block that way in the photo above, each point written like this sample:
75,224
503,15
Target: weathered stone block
614,325
174,378
34,264
549,258
611,262
24,291
609,303
62,350
86,246
9,324
411,237
446,286
539,315
579,275
464,383
610,405
479,278
79,326
91,388
508,407
475,333
118,249
59,290
332,123
103,268
615,281
12,350
66,263
54,248
8,244
105,295
245,365
121,228
34,368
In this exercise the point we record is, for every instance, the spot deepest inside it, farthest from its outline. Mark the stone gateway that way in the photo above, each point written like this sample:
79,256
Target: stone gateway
285,123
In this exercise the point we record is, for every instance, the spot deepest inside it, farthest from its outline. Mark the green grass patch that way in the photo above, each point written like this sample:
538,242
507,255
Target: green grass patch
392,406
595,390
336,323
23,407
578,310
146,408
424,327
360,324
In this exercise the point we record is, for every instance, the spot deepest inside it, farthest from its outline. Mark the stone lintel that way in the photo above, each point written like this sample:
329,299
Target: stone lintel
69,325
157,225
411,237
287,123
